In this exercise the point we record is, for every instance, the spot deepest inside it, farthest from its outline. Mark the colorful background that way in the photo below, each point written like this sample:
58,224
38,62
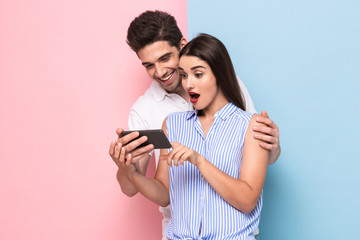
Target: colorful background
68,80
300,60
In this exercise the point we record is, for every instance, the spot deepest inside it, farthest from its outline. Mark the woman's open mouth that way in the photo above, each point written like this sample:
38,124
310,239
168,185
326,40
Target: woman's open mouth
194,97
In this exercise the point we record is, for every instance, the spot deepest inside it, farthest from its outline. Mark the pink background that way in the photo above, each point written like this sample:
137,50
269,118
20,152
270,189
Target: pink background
67,81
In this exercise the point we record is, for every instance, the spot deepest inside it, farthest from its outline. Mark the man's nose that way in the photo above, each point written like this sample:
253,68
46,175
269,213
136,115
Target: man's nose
159,70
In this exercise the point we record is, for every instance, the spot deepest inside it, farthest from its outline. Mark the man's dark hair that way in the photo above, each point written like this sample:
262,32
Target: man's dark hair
214,53
152,26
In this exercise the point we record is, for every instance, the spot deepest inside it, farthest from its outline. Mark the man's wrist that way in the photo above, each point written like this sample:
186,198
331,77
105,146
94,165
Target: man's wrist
273,156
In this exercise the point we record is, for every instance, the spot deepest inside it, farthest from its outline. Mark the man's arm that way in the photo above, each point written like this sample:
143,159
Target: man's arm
269,134
249,104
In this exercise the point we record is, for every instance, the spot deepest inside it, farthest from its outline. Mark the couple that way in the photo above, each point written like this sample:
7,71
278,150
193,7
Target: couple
214,173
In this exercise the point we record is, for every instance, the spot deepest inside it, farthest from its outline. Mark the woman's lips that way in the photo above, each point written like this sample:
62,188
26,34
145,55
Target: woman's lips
194,97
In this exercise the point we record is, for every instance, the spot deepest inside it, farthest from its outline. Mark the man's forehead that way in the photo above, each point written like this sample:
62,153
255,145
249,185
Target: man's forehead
153,51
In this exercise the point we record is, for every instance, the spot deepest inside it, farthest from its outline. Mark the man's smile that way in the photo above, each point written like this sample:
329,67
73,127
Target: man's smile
167,79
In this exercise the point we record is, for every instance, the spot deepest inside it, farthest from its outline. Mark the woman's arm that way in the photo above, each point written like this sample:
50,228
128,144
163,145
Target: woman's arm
157,189
140,162
242,193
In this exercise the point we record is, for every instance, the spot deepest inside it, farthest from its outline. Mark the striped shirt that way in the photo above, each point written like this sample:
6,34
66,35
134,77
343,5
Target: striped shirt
198,212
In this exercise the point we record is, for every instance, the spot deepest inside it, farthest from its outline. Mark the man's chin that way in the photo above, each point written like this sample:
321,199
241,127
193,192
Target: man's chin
171,86
168,86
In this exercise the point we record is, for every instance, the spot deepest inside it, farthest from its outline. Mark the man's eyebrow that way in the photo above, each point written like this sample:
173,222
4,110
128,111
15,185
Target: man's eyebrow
145,63
161,57
166,55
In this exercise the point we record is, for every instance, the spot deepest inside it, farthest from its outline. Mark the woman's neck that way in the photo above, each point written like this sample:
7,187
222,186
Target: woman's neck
212,109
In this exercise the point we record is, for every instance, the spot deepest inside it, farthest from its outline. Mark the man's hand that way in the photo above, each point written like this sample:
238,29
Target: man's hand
131,145
268,136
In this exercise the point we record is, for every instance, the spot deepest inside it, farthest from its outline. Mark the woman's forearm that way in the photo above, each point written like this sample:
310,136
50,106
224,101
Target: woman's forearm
238,193
152,189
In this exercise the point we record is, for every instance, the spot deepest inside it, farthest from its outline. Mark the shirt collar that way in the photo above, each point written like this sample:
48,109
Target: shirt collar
158,92
191,114
223,113
226,111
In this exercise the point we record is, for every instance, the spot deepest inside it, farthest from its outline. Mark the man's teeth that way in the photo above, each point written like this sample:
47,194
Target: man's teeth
167,78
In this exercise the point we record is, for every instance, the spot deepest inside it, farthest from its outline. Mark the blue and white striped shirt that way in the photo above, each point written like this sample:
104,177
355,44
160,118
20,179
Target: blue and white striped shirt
198,212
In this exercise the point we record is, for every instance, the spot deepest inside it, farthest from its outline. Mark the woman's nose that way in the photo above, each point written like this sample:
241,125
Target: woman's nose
189,83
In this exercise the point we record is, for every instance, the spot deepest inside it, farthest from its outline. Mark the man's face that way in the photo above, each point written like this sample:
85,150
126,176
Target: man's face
161,63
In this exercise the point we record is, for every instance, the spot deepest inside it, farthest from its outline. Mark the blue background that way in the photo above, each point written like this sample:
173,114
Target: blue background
300,61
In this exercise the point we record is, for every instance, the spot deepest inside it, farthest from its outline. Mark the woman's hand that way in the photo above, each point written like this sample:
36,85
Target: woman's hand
180,154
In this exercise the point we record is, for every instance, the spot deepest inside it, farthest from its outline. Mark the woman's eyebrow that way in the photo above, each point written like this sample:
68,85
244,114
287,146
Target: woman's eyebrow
196,67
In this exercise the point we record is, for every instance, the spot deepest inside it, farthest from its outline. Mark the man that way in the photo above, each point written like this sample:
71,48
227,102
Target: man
156,39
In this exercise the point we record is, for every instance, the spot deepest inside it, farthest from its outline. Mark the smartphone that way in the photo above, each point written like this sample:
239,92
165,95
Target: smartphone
156,137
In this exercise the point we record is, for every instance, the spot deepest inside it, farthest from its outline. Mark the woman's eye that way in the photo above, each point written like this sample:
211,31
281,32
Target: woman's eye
183,75
198,75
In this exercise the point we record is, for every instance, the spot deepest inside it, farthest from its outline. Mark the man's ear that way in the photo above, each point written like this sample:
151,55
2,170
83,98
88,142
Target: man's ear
183,42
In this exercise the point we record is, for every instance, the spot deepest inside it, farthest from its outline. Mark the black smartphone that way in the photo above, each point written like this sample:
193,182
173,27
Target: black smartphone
156,137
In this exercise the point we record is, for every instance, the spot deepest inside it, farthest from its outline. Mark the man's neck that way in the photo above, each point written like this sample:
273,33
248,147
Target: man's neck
182,93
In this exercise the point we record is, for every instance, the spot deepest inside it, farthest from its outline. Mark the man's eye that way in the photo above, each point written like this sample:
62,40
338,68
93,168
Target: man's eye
165,59
148,66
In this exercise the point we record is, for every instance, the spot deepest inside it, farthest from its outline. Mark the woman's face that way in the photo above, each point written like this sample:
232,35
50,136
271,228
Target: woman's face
199,82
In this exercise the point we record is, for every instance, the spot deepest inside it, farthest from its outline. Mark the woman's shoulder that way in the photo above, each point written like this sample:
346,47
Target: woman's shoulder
253,122
244,114
181,115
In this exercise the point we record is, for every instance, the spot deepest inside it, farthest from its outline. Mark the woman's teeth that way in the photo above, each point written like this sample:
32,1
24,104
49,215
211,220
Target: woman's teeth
194,95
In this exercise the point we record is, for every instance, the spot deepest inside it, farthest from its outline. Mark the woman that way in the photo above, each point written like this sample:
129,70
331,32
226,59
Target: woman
214,174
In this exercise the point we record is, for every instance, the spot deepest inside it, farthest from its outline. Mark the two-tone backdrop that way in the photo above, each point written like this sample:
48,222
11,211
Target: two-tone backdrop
68,80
